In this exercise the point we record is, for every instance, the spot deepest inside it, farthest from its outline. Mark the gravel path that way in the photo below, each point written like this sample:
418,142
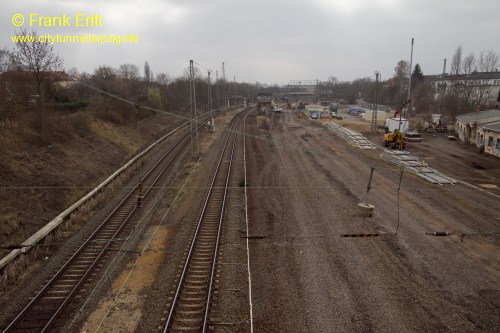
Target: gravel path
305,184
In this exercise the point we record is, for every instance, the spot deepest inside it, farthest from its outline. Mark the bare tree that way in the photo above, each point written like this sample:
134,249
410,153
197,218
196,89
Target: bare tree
401,75
402,69
196,73
166,95
4,60
332,81
469,63
488,61
73,71
456,61
163,79
129,83
37,57
129,72
103,75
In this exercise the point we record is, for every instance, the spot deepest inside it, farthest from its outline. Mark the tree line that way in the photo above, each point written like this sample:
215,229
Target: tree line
32,78
35,89
462,94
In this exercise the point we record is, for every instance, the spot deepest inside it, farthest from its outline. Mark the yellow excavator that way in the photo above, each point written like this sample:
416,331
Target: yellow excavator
395,140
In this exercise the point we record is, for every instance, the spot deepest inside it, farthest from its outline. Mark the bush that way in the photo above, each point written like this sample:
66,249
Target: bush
71,106
80,123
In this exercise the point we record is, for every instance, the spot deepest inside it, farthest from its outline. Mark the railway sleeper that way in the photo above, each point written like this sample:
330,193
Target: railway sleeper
87,259
203,256
196,261
64,284
188,321
204,246
195,289
200,271
196,280
58,292
207,235
190,312
191,298
199,277
186,329
80,265
191,306
202,253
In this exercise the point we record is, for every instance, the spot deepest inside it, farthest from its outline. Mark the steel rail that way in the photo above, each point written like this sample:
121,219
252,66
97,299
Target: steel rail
174,150
175,299
49,227
217,240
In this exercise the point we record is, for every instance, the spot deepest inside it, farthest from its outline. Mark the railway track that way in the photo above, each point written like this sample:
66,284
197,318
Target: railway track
55,302
190,305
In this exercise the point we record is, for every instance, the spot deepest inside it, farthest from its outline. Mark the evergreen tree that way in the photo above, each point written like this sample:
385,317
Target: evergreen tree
417,74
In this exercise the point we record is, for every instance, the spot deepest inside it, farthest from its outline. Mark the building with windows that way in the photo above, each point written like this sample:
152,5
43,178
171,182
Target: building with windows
481,87
490,138
480,128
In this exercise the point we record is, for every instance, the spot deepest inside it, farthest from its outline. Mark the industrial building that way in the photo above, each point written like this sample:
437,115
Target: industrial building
480,128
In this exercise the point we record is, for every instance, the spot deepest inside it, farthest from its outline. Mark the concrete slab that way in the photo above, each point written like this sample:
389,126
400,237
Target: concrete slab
415,166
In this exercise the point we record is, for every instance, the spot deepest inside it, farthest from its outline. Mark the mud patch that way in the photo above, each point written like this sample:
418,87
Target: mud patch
122,311
488,186
477,166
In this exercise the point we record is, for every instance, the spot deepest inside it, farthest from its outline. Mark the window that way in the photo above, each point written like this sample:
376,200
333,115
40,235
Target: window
490,141
498,143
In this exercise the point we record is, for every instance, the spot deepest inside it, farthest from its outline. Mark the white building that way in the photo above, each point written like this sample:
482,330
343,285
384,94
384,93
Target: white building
484,87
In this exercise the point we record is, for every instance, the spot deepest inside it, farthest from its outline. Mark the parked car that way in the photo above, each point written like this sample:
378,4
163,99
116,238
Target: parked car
356,111
336,115
314,115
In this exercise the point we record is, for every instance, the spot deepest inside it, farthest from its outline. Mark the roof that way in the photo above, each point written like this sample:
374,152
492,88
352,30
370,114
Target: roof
495,126
482,116
471,76
51,76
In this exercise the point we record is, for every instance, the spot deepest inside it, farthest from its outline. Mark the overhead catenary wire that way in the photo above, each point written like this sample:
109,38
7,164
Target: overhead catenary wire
141,225
242,75
365,158
132,102
143,122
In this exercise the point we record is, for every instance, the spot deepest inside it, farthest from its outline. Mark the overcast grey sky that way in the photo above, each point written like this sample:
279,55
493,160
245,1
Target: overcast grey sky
270,41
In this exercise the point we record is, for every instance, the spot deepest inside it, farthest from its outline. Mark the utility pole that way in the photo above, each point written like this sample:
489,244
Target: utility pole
223,85
210,101
409,105
192,106
375,109
217,87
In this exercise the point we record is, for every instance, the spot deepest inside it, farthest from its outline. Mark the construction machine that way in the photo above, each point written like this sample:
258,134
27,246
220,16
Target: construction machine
395,140
395,128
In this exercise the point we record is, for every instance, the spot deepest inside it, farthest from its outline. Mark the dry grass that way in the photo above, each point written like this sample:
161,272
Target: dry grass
11,227
86,150
10,223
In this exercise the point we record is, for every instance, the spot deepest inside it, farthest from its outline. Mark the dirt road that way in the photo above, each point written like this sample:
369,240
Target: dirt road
304,187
